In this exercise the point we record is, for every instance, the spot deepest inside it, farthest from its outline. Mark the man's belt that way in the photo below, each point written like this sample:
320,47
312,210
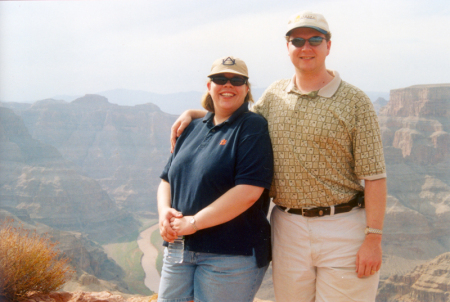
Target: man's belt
358,201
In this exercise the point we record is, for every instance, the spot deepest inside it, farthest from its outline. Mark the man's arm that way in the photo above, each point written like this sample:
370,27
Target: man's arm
369,256
182,122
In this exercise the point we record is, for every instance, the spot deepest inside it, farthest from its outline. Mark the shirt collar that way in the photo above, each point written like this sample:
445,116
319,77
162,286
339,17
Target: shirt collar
326,91
244,108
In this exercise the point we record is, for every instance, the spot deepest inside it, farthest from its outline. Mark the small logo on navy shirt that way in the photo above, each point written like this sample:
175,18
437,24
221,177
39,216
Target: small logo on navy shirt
223,142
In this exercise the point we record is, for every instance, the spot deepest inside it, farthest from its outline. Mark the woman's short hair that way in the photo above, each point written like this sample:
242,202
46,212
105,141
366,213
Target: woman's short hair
208,103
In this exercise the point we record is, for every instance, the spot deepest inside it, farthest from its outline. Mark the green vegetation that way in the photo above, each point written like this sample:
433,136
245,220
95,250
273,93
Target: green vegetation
29,263
127,254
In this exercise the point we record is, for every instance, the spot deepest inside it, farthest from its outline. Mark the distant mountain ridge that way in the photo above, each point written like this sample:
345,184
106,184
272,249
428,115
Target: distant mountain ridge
379,103
174,103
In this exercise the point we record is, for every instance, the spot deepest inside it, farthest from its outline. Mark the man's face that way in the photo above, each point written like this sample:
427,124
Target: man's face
308,59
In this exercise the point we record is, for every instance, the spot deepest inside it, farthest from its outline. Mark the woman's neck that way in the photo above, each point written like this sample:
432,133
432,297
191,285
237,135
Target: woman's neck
219,118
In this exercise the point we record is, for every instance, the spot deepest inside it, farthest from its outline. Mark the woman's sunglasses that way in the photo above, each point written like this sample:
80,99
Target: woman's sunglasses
313,41
235,81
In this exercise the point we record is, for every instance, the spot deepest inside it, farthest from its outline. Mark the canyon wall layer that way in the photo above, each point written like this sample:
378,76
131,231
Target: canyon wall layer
123,148
415,128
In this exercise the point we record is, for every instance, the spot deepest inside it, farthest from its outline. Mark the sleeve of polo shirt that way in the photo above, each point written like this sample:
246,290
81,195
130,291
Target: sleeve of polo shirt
262,106
165,173
367,145
254,162
259,106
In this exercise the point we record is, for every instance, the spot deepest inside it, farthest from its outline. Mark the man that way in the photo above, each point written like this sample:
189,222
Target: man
326,139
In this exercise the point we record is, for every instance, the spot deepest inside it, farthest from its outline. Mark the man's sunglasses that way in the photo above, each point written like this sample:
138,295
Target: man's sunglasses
235,81
313,41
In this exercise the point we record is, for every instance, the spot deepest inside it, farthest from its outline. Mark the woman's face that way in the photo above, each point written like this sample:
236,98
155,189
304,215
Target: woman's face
227,98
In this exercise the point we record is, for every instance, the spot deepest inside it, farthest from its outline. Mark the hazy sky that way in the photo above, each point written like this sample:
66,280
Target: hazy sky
50,48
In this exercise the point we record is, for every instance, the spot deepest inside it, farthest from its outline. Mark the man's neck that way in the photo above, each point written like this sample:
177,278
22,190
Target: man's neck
307,82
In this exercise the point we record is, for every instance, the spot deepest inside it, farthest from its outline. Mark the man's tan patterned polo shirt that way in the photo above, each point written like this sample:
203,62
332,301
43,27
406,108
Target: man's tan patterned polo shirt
324,143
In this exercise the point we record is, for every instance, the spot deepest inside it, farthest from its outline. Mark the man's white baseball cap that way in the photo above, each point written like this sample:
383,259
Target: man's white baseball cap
308,19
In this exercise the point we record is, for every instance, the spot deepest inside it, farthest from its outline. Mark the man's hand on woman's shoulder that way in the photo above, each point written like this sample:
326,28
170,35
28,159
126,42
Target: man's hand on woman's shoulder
181,123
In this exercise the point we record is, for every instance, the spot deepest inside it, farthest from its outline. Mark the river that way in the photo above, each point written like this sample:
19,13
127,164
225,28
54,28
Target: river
148,260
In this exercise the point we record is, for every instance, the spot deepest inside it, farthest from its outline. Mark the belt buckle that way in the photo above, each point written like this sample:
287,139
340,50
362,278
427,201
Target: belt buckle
306,212
320,211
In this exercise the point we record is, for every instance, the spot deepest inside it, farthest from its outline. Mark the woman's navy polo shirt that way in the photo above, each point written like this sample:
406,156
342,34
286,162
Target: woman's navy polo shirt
209,160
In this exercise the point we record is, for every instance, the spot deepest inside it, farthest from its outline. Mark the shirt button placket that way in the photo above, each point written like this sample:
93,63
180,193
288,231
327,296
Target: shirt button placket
207,138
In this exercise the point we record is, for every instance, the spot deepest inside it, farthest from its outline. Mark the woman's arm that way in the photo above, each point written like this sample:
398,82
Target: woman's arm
166,212
182,122
228,206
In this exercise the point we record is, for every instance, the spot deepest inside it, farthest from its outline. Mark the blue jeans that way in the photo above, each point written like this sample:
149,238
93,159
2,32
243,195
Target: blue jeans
204,277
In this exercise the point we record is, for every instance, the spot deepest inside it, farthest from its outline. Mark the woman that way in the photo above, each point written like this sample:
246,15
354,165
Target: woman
214,192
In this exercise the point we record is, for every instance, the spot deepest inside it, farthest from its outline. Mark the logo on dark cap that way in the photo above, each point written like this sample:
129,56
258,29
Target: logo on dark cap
228,61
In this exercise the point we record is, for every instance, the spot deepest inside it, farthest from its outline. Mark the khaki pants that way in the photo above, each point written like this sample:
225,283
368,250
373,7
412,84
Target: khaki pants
314,258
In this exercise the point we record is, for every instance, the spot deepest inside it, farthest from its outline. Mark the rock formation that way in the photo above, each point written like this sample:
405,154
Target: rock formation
94,270
81,296
419,101
123,148
416,121
379,103
415,127
35,178
427,282
114,154
79,168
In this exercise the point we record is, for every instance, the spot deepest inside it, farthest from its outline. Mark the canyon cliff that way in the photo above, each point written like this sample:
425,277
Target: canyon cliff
415,127
36,179
78,171
123,148
84,166
427,282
